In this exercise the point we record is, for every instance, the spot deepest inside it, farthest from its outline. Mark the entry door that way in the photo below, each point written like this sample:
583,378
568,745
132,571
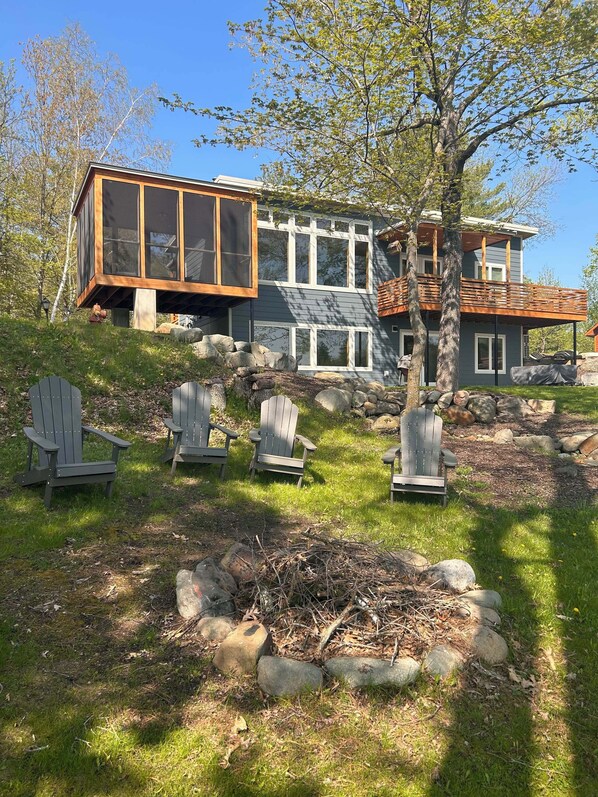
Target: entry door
406,347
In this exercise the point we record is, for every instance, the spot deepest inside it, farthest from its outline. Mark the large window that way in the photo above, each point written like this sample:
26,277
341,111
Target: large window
318,347
301,249
120,225
494,272
425,265
161,233
199,217
484,354
273,337
235,232
332,347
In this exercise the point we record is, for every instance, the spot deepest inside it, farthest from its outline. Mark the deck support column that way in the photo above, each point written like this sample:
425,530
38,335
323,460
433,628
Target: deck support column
496,350
575,343
427,365
251,322
144,309
120,317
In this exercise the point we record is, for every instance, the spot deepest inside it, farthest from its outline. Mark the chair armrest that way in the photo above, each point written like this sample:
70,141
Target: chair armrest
227,432
390,456
170,424
255,436
450,460
109,438
46,445
305,442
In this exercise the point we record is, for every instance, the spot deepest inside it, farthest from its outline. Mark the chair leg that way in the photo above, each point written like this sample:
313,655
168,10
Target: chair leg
108,489
222,470
48,495
251,474
174,464
300,481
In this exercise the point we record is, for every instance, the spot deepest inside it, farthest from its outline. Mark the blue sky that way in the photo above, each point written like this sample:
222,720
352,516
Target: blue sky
183,46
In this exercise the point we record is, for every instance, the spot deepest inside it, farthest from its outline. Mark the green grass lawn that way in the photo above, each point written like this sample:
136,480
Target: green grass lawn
96,699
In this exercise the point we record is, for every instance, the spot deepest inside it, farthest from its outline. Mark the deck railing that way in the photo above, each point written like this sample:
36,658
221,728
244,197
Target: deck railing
487,297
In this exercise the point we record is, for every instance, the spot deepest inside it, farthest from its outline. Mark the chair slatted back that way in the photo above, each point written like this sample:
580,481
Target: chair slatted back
56,410
278,423
421,434
191,404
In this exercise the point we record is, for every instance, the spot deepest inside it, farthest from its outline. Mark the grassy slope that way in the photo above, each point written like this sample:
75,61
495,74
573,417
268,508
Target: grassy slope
118,710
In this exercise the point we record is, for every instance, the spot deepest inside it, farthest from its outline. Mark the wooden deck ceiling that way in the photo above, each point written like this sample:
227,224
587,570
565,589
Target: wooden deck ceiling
532,305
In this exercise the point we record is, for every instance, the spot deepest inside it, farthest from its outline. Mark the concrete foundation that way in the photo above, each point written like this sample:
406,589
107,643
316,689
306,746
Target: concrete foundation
144,310
120,317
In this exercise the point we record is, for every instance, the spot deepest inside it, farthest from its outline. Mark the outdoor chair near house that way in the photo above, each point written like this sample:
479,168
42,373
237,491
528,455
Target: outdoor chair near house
58,436
423,462
275,440
190,428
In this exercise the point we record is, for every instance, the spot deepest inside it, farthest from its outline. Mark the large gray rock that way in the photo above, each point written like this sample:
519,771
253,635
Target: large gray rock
377,388
483,597
257,398
258,352
479,614
573,441
483,408
242,562
589,445
388,408
240,652
279,676
334,400
359,398
208,568
279,361
224,343
193,335
543,406
461,398
218,394
433,396
414,562
358,671
188,603
503,436
205,350
239,359
215,629
445,400
386,423
489,646
443,660
513,406
214,601
459,415
455,575
540,443
243,345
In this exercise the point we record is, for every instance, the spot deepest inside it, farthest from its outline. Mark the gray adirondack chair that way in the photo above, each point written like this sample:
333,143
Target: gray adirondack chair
423,462
190,428
275,440
58,436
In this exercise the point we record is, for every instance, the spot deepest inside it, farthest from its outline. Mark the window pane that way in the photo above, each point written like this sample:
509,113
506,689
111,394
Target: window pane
236,270
274,338
361,349
333,347
162,262
272,258
302,221
362,229
200,266
120,221
361,264
341,226
278,217
332,262
501,355
198,221
302,346
324,224
302,257
497,273
235,226
428,266
483,354
263,214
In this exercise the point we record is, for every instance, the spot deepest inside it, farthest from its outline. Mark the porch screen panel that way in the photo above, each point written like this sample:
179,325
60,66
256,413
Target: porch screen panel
120,224
235,242
199,216
333,261
161,233
85,243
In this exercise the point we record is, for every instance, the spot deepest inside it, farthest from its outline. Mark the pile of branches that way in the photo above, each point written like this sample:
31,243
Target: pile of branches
325,597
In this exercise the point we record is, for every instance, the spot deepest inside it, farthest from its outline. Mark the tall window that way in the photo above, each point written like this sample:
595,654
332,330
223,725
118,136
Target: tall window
273,337
333,347
235,232
272,255
484,354
199,219
494,272
333,262
120,225
161,233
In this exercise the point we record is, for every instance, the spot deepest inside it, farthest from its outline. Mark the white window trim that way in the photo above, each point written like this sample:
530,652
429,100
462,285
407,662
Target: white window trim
314,231
313,350
490,336
489,267
420,264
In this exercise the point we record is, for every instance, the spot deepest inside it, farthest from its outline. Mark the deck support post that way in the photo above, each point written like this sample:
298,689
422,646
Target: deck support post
144,309
496,351
574,343
251,322
427,365
120,317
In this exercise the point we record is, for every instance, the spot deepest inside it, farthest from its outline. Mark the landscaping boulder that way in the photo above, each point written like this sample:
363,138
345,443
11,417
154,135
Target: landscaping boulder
358,399
359,671
193,335
188,603
433,396
589,445
455,575
445,400
214,601
489,646
503,436
459,416
241,562
387,423
483,597
240,652
278,676
215,629
377,388
479,614
279,361
243,345
257,398
205,350
540,443
461,398
483,408
258,352
543,406
573,441
334,400
218,394
329,376
388,408
414,562
224,343
513,406
239,359
443,660
208,568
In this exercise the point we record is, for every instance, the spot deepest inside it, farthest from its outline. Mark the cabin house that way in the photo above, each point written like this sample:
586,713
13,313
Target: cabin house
328,288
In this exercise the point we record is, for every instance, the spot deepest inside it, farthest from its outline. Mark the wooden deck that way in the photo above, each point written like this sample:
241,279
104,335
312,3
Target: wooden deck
484,297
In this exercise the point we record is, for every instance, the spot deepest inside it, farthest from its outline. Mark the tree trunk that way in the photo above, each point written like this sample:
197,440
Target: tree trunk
447,373
415,319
